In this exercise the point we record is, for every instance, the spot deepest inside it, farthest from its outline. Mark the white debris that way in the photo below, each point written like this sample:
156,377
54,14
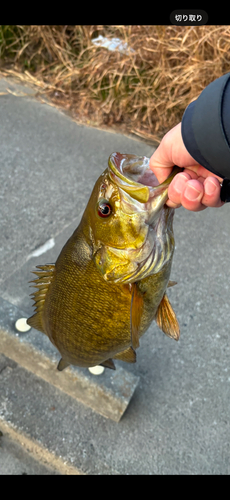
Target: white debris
112,44
96,370
21,325
42,249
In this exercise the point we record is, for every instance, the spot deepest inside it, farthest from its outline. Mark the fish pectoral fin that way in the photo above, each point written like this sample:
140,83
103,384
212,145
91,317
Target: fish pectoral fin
108,363
166,319
137,304
128,355
62,365
171,283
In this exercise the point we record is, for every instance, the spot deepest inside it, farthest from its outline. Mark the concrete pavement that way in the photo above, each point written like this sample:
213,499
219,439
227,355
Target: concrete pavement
177,421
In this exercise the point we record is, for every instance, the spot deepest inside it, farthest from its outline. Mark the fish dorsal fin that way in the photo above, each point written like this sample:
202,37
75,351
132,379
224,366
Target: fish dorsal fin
137,304
166,319
42,283
128,355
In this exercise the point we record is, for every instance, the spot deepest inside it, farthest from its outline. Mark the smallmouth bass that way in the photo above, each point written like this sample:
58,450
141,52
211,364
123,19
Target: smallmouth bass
109,281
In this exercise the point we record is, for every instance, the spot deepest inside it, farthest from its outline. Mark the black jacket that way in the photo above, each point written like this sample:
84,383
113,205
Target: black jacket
206,130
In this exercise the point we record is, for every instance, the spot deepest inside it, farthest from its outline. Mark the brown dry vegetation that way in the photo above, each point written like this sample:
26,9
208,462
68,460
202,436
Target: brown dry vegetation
144,92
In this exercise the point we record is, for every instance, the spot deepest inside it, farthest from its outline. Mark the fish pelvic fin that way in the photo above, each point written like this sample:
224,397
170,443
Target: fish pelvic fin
129,355
45,276
166,319
171,283
108,363
137,304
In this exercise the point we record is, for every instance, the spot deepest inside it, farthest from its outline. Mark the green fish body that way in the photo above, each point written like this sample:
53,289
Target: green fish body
109,282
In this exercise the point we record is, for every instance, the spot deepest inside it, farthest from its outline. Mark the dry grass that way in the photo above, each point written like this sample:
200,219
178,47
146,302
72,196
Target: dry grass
144,92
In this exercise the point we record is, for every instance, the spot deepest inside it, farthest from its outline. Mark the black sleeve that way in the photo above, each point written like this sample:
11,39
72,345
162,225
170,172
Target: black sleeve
206,128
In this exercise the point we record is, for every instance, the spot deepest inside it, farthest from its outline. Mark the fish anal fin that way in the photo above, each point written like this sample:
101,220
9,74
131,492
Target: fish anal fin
36,322
128,355
45,276
166,319
108,364
137,305
62,365
171,283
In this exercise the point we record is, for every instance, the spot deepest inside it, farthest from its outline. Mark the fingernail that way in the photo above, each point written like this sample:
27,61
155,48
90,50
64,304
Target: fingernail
210,187
191,193
179,183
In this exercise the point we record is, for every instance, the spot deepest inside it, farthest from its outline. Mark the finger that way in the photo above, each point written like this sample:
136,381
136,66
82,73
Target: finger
191,198
202,171
171,151
177,187
161,172
170,204
211,196
161,162
192,173
201,179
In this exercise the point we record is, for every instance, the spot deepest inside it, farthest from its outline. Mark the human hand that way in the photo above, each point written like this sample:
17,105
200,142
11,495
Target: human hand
196,188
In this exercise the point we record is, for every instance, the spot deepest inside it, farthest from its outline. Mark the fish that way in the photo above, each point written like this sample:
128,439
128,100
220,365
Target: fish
109,282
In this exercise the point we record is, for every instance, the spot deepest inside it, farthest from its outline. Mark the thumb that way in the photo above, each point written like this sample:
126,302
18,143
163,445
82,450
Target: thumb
171,151
161,167
162,161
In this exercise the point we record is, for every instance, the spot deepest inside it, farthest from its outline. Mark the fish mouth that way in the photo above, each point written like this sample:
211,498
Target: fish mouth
134,176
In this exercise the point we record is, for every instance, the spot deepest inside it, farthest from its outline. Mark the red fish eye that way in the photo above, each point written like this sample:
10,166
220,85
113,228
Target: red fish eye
104,209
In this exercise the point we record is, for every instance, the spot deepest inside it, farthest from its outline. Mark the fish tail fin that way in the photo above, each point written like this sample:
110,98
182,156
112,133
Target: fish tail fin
42,283
166,319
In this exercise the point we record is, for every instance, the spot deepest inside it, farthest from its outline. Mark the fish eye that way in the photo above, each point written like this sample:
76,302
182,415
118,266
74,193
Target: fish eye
104,209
